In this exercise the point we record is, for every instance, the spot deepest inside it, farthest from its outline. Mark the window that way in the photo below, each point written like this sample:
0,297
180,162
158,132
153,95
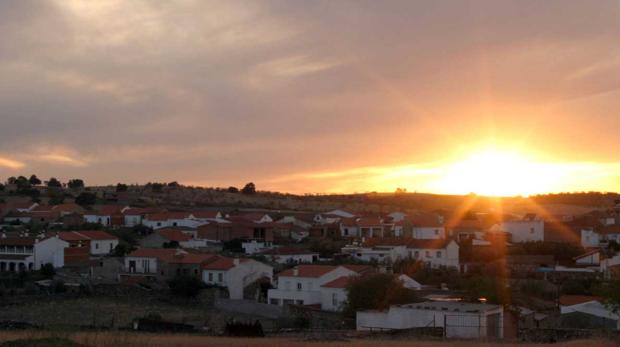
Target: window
300,302
220,277
299,286
428,254
438,254
96,246
416,254
158,224
210,276
531,230
274,301
334,299
436,232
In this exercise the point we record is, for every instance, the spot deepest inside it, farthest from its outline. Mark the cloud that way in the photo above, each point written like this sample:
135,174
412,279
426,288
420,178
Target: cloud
11,164
209,91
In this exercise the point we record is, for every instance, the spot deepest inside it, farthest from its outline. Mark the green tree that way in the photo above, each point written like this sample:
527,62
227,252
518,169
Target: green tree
54,183
1,187
34,180
47,270
232,189
186,286
249,189
120,187
610,292
75,183
174,184
375,292
86,199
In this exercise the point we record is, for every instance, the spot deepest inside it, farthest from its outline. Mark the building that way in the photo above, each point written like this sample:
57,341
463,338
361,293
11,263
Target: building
101,242
169,237
171,219
316,285
27,253
458,319
583,312
290,255
379,253
527,229
235,274
159,264
106,215
590,258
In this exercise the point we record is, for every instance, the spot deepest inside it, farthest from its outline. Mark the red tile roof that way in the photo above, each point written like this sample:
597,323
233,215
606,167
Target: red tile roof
17,241
221,263
105,210
98,235
569,300
408,242
174,235
72,236
367,222
308,271
360,269
286,251
205,214
609,229
340,282
164,216
69,207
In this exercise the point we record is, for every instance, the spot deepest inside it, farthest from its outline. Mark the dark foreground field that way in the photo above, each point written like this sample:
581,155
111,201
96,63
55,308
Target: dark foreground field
154,340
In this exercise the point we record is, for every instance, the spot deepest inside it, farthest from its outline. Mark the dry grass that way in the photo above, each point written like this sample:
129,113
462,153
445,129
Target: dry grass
124,339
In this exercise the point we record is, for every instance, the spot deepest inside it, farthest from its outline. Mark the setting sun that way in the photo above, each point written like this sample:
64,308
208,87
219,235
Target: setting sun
499,173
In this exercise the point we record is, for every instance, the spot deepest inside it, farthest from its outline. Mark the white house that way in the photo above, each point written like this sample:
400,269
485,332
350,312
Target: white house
30,253
427,227
527,229
304,285
459,320
608,264
435,253
166,236
105,215
379,253
397,216
289,255
171,219
255,246
590,238
235,274
101,243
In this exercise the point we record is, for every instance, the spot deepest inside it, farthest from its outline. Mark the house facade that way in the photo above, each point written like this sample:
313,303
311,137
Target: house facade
235,274
30,253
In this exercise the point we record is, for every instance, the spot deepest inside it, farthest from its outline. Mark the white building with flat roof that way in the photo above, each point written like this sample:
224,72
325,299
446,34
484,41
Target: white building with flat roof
458,319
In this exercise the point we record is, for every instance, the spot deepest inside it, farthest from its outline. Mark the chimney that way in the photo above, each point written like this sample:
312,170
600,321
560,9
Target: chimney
236,261
295,271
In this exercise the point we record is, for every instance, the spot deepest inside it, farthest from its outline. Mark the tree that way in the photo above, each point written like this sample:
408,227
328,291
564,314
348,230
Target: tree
47,270
75,183
12,180
54,183
232,189
174,184
157,187
1,187
187,286
610,292
375,292
249,189
34,180
120,187
22,183
86,199
121,250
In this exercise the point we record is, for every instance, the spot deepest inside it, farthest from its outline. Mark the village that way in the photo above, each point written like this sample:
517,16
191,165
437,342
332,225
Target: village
462,273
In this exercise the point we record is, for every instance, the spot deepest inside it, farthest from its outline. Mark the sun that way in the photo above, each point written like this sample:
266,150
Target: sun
496,172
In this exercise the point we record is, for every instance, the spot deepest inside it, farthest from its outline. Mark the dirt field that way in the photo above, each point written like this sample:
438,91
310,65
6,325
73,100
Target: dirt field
144,340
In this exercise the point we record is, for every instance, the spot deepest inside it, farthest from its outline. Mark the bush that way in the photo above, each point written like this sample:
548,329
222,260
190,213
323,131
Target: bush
46,342
186,286
376,292
47,270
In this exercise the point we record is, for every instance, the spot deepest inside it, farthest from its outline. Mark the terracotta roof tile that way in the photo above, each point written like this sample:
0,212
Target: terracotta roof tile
308,271
569,300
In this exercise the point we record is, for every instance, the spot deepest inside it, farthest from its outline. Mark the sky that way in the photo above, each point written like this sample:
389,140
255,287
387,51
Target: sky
494,97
